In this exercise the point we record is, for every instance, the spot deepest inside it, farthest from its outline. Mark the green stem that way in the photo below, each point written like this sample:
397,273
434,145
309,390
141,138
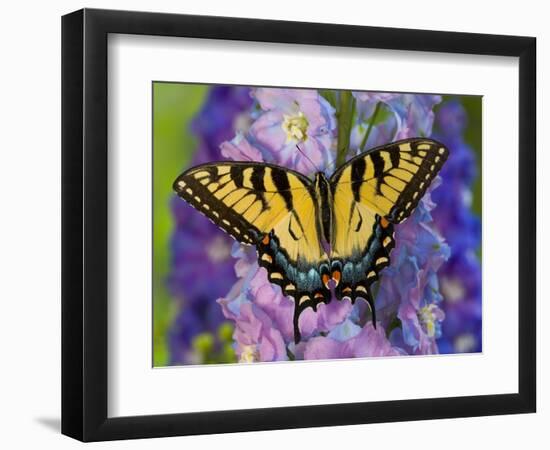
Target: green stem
345,116
371,124
395,323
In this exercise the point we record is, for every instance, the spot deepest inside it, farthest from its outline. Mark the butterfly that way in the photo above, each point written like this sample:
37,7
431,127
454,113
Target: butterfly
314,234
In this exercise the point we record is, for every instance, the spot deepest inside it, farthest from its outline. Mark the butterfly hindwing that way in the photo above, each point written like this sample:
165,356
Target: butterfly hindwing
295,259
371,192
361,245
269,207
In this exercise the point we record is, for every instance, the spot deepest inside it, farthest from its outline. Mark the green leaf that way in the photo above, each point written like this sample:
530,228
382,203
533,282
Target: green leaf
329,96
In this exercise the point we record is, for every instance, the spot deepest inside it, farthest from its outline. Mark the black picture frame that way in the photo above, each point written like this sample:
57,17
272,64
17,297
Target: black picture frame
84,224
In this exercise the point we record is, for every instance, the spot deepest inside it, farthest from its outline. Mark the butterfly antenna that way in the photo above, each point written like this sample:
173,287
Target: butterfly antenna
332,165
308,158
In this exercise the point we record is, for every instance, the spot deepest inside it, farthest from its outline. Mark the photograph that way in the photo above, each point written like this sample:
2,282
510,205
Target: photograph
296,224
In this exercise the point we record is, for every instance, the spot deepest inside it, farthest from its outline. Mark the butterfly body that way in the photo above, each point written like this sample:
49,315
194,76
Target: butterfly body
323,194
316,235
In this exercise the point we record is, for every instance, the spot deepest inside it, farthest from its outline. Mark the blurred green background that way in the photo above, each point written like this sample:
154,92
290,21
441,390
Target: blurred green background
174,106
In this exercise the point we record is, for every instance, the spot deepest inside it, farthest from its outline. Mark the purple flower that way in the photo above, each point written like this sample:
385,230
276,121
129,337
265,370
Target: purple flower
366,342
225,109
198,248
409,286
415,114
294,129
398,116
460,277
253,294
373,97
258,335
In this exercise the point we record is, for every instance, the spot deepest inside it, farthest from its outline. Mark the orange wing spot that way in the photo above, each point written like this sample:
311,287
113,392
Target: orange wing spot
265,240
384,222
336,276
325,279
319,295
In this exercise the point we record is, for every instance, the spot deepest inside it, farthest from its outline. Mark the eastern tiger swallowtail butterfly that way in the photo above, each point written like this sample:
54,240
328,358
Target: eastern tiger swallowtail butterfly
309,232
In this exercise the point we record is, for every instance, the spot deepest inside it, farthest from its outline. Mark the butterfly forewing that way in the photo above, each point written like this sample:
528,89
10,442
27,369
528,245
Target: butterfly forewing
243,199
391,180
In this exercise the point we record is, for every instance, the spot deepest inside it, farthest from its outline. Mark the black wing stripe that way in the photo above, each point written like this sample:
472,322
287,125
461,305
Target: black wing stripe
394,156
237,176
257,178
280,180
357,173
378,163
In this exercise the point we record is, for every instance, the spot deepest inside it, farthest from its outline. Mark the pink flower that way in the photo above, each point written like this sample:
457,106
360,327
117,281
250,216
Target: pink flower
364,96
369,342
257,335
263,316
406,115
256,338
410,286
293,123
239,149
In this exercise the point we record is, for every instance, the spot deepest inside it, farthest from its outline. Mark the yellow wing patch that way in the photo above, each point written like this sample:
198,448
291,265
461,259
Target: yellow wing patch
245,200
353,223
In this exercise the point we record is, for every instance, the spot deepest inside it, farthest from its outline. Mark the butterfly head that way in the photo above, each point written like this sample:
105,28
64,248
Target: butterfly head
321,182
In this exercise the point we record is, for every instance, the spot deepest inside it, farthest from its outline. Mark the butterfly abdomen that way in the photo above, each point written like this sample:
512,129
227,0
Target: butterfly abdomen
323,194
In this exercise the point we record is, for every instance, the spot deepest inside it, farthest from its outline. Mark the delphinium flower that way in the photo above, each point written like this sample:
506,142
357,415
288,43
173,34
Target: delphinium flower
409,293
387,117
297,129
202,266
408,298
294,129
460,277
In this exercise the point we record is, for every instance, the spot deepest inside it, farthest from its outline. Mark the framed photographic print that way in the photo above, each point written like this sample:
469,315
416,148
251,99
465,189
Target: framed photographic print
276,224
